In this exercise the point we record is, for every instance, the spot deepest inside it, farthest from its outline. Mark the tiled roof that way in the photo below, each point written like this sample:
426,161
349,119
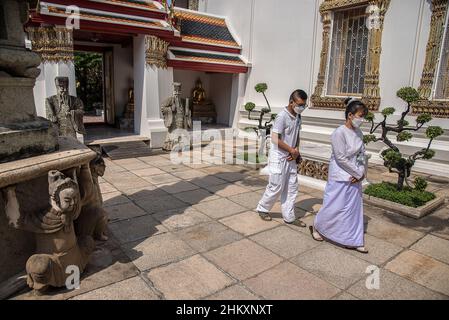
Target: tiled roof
206,57
107,17
205,29
141,4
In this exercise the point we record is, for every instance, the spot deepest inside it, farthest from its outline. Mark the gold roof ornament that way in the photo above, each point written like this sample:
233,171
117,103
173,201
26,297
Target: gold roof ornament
156,51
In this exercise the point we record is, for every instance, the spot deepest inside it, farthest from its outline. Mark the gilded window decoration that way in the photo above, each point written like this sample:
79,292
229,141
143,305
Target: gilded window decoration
350,55
433,89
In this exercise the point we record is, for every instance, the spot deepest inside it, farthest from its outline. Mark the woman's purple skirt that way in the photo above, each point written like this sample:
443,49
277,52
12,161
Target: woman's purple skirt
340,220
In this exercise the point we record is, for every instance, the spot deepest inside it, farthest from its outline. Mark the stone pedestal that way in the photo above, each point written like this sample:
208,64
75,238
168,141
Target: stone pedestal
30,178
127,121
204,112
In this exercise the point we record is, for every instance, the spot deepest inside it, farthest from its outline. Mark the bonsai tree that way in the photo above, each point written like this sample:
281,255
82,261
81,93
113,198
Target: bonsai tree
394,160
263,129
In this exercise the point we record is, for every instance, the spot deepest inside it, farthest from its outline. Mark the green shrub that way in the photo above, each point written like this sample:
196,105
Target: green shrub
420,184
407,196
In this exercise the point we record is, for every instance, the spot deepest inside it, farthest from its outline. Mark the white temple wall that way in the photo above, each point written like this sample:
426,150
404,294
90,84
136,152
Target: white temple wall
283,42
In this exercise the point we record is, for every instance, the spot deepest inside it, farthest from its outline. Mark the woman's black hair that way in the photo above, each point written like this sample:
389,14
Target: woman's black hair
353,106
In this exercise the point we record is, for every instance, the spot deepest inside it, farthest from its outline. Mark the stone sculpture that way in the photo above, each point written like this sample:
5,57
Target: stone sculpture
177,115
65,111
93,220
57,246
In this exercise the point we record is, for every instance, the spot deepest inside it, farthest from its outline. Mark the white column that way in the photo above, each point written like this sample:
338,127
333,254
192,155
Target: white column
239,82
150,84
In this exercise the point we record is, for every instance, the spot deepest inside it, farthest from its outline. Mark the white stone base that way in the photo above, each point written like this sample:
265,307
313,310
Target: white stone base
158,133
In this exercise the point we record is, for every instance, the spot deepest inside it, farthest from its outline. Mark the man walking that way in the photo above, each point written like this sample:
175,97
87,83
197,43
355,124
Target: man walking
282,164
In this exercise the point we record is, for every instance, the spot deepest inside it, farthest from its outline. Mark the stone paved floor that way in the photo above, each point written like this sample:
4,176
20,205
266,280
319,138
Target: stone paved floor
191,232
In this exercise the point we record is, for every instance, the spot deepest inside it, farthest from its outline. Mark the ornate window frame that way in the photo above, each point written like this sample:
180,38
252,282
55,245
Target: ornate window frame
371,93
426,104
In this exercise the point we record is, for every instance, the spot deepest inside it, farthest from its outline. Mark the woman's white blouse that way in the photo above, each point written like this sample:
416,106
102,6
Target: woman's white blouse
348,154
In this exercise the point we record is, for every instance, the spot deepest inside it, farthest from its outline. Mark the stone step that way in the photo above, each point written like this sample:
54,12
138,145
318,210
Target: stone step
128,149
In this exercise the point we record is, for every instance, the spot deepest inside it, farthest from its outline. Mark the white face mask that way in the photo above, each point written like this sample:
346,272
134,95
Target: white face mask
357,122
299,109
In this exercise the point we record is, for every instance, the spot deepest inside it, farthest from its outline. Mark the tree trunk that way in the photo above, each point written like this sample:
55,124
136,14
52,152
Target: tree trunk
401,180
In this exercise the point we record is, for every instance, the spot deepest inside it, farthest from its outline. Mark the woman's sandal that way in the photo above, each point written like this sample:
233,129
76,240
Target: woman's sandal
265,216
362,250
314,236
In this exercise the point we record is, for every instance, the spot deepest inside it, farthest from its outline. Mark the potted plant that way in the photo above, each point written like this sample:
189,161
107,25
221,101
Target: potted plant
402,192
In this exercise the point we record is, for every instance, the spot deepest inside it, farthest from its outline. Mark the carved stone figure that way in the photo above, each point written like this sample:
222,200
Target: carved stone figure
65,111
177,115
93,220
57,246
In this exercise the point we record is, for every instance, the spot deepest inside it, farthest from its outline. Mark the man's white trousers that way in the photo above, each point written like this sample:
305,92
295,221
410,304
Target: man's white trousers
283,182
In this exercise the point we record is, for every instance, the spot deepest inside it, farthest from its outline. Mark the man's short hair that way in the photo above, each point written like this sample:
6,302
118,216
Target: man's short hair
298,94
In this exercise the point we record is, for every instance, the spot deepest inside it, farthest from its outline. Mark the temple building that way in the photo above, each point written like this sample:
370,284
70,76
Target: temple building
330,48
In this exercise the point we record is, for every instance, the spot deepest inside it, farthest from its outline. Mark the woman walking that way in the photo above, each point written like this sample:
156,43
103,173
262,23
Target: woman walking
340,220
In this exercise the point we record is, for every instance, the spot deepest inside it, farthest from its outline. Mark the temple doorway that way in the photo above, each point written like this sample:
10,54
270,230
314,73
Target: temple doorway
90,85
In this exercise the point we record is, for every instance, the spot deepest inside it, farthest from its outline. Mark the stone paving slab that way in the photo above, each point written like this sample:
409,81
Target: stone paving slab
393,287
249,200
160,203
220,208
114,198
148,171
137,228
248,223
227,190
434,247
189,279
177,219
196,196
285,241
162,179
130,289
243,259
208,236
145,193
106,187
289,282
157,250
380,251
236,292
124,211
393,233
178,187
421,269
336,267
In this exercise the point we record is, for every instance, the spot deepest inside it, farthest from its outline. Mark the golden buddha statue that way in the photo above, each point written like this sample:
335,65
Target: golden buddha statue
199,95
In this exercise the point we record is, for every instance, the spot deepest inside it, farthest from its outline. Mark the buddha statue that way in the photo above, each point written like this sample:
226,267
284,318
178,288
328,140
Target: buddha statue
199,95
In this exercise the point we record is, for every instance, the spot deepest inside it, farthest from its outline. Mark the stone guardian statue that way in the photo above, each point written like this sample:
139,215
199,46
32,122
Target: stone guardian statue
177,115
65,111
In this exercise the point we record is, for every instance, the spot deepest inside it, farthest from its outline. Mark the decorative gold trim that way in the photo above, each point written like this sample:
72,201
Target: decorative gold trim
437,25
314,169
53,44
371,94
156,51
